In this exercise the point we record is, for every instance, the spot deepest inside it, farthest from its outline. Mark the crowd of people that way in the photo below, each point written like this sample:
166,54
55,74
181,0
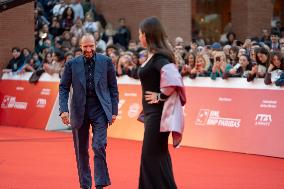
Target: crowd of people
59,26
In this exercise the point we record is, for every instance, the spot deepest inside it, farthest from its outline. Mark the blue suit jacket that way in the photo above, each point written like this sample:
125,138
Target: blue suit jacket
105,86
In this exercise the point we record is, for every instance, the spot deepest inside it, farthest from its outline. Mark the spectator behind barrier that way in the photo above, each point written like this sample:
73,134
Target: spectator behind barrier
241,69
57,64
17,61
275,68
27,54
50,38
78,52
99,42
114,55
108,34
274,38
89,24
189,64
219,65
77,29
233,53
260,67
78,10
281,42
66,21
201,68
125,65
123,34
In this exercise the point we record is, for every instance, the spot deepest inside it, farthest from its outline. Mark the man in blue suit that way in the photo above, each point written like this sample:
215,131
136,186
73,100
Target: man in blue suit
94,102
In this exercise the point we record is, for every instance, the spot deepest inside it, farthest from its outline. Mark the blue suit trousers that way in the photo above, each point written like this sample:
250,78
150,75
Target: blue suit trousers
96,118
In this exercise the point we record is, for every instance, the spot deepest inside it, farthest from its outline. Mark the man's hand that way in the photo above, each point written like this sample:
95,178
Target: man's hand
65,118
112,119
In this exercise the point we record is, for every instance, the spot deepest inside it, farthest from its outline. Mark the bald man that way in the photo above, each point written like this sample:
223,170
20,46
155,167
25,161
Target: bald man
94,104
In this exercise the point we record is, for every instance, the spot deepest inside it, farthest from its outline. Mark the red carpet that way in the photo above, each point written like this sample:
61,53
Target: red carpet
36,159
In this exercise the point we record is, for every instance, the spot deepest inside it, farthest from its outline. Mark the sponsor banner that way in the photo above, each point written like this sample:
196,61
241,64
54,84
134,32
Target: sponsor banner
239,120
26,105
126,126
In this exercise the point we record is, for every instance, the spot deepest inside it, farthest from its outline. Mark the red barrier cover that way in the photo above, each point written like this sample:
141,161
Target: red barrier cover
26,105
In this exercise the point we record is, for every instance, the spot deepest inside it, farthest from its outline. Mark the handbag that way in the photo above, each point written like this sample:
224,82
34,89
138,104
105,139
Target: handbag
141,117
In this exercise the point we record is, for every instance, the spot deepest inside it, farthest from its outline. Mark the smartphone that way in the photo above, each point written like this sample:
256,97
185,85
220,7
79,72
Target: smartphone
237,66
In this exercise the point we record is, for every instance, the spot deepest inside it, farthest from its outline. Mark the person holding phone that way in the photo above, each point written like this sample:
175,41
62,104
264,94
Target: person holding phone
241,69
219,65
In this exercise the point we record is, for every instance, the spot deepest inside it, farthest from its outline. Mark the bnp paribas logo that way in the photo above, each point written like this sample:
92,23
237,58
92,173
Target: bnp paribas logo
8,102
213,118
202,117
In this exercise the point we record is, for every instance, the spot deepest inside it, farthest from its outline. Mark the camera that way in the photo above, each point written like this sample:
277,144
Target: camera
218,58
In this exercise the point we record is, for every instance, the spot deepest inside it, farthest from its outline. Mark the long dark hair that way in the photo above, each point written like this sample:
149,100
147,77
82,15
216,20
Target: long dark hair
156,37
262,50
280,57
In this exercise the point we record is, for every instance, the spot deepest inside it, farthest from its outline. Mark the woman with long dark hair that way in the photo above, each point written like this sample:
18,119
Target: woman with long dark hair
259,69
162,91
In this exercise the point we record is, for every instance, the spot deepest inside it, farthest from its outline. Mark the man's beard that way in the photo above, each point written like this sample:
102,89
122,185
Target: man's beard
89,55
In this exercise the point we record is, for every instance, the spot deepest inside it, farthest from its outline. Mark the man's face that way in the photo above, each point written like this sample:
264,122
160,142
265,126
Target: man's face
265,33
262,57
114,58
132,46
232,54
274,38
16,54
122,22
281,41
88,46
179,41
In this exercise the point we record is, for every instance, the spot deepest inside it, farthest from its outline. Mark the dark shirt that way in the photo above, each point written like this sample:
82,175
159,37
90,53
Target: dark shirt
123,37
17,63
149,76
93,105
90,82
